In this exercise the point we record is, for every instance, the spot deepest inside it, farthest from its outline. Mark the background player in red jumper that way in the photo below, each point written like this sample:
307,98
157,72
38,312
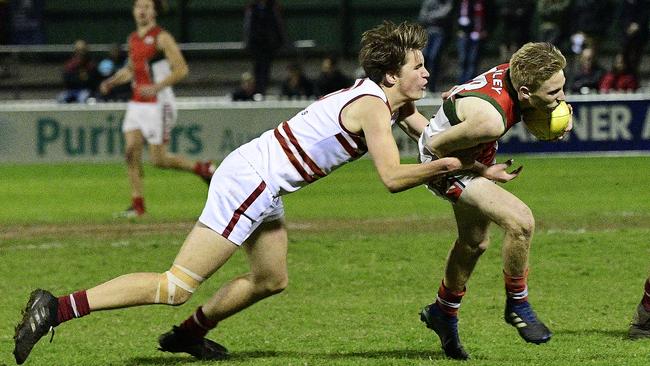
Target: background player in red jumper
155,63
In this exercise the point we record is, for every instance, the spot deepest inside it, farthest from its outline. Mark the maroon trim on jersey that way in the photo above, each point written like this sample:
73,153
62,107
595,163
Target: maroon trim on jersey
292,159
240,211
356,84
352,100
361,143
294,141
346,145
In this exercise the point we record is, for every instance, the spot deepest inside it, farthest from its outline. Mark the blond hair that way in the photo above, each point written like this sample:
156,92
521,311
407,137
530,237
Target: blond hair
384,48
534,63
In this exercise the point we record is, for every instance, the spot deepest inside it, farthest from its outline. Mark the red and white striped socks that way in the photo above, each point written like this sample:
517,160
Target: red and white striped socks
72,306
516,287
448,301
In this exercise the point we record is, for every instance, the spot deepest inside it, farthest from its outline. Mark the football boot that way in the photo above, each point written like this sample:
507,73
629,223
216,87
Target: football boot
176,341
446,327
521,316
39,317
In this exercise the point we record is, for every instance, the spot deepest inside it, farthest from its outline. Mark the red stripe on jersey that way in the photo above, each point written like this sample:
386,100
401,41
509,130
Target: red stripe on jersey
287,151
361,144
310,163
346,145
244,206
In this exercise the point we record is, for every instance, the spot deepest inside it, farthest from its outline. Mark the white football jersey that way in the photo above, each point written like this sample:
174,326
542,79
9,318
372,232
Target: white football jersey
311,144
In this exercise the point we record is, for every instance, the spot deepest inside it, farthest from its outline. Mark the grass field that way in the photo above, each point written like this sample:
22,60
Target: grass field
362,263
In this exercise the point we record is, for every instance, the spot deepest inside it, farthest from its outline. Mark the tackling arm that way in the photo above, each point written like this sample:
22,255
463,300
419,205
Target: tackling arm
370,116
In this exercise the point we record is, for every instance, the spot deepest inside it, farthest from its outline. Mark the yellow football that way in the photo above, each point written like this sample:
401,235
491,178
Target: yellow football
547,124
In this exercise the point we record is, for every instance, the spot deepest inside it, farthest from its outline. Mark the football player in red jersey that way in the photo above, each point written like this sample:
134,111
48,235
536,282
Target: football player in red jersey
154,65
474,116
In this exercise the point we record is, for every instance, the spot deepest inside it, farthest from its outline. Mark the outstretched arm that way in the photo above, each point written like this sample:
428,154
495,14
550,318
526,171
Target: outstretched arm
370,116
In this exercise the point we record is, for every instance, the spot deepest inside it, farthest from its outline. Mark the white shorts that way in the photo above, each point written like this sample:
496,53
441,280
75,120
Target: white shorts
154,120
450,187
239,200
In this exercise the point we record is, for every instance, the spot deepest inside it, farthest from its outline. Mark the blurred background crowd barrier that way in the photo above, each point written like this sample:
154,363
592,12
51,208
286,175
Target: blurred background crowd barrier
209,128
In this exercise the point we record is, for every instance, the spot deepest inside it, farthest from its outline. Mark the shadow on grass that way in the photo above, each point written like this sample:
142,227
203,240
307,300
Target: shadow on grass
401,354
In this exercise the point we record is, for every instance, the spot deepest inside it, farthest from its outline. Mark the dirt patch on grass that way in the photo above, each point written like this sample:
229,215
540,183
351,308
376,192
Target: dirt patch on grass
107,230
120,230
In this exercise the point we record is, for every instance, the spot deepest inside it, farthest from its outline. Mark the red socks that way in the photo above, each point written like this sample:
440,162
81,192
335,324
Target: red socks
516,287
138,205
646,296
198,325
448,301
72,306
204,169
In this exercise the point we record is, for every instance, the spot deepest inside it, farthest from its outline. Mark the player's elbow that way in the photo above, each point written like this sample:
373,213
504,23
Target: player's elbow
394,185
181,72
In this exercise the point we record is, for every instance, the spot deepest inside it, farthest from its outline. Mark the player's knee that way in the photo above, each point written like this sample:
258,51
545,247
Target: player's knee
177,285
271,285
474,246
522,225
482,245
158,161
131,154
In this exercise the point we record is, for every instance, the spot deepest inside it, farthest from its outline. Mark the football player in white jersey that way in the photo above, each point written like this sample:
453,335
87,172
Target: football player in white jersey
244,206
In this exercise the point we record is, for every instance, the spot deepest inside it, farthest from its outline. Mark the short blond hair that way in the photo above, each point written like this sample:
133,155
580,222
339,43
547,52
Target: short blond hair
385,47
534,63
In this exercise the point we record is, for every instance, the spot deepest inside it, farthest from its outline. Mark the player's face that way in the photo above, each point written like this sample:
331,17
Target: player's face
550,93
144,12
413,77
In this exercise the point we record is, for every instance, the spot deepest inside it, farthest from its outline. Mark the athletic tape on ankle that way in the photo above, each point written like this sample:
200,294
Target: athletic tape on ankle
177,276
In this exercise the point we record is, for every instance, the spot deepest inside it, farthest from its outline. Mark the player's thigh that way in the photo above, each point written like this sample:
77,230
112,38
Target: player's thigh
472,224
204,251
267,250
497,204
134,140
157,152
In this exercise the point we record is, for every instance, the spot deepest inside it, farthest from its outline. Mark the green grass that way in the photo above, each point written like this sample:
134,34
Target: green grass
362,262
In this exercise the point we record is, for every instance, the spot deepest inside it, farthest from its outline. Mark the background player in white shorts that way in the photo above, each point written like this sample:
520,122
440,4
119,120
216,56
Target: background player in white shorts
244,207
155,64
474,117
